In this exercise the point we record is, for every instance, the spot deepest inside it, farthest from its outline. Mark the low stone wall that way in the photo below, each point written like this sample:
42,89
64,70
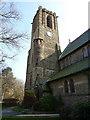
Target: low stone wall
72,99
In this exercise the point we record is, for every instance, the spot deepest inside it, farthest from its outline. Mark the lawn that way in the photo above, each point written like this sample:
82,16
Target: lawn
29,118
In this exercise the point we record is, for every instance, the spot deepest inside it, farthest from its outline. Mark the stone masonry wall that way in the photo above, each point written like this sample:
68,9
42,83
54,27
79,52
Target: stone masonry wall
80,84
73,57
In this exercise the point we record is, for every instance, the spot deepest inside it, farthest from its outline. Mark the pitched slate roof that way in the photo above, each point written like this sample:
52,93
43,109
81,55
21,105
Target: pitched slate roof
72,69
77,43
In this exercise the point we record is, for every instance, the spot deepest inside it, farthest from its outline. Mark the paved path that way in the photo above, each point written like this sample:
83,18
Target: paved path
39,115
9,112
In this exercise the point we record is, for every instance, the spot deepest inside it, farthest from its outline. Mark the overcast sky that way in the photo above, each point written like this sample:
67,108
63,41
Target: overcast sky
72,22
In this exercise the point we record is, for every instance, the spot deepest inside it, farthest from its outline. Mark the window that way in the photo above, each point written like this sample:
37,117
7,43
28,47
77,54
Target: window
69,60
65,62
30,80
40,41
36,41
49,21
37,61
88,50
84,53
66,86
54,23
34,24
71,83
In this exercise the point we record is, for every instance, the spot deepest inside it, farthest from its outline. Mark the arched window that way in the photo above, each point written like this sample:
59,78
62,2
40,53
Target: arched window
71,83
49,21
65,64
36,41
40,41
54,23
30,80
84,53
69,60
66,86
88,50
36,61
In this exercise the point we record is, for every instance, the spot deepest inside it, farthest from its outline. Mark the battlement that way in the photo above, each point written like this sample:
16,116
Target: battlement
47,11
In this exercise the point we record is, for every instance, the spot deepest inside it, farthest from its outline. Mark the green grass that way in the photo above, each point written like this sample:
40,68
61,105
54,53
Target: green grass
29,118
1,101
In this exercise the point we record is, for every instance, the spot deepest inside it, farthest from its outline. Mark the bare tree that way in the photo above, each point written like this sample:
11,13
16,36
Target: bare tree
9,39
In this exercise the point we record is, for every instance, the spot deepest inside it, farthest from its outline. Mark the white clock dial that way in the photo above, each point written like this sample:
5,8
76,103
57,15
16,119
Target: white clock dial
49,34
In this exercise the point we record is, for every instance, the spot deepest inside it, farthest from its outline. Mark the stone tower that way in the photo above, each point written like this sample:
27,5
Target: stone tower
43,56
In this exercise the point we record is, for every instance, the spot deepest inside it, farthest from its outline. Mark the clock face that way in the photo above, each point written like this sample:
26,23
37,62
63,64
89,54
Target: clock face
49,34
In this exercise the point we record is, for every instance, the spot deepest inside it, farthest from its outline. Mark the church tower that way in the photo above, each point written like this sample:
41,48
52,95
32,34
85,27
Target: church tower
43,56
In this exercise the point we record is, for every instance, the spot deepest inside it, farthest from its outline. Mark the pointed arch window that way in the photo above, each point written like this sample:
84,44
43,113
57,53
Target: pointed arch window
72,88
84,53
30,80
36,41
88,50
49,21
54,23
66,86
40,41
36,61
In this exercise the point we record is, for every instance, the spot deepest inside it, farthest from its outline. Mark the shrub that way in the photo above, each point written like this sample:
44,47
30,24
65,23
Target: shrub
29,99
60,104
65,113
81,110
47,103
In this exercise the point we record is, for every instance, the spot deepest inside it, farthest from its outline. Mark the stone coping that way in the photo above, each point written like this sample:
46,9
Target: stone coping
40,115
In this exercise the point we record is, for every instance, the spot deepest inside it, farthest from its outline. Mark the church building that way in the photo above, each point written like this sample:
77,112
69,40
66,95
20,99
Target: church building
72,82
44,52
51,72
